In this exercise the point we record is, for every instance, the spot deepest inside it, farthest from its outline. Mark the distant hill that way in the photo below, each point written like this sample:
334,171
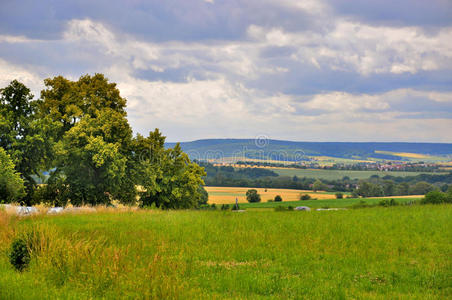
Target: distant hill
297,151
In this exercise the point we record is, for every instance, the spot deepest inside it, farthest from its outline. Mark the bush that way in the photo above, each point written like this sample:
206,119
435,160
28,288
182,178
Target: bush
339,195
278,198
225,207
236,207
434,197
253,196
19,255
305,197
283,208
386,202
270,200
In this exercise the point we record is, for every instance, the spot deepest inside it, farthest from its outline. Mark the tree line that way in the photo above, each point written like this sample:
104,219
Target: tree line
374,186
78,133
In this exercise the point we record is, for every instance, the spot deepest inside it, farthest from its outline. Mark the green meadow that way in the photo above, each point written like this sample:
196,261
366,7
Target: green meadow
328,203
401,252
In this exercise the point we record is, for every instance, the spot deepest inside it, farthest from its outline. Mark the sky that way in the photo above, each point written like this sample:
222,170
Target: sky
310,70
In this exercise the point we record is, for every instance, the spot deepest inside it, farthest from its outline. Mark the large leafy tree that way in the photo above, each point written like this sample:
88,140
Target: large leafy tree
26,138
78,131
67,102
11,184
168,177
94,148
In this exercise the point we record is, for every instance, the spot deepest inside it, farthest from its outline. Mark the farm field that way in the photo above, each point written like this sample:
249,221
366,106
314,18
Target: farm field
227,195
376,253
339,174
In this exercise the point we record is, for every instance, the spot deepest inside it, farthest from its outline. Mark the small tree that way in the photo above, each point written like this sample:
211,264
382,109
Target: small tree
318,185
253,196
339,195
434,197
305,197
278,198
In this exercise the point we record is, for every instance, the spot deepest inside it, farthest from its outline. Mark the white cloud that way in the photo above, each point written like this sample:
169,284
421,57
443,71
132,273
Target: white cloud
9,72
364,48
214,97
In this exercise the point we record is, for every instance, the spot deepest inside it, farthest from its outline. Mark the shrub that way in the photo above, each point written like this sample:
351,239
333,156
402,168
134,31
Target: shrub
278,198
434,197
305,197
339,195
386,202
253,196
225,207
19,255
236,207
204,206
270,200
283,208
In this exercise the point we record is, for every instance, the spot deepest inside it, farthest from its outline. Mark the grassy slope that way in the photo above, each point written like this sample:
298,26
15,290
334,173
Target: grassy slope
339,174
401,252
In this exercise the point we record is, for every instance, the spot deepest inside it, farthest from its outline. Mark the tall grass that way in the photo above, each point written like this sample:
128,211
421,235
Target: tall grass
398,252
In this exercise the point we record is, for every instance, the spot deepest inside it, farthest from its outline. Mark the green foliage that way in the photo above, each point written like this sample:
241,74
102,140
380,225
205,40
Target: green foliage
11,184
368,189
386,202
225,207
436,197
339,195
318,185
19,255
421,188
55,192
253,196
278,198
169,178
27,139
305,197
204,195
93,159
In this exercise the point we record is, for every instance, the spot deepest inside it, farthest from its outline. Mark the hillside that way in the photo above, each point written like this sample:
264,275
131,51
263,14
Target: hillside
293,151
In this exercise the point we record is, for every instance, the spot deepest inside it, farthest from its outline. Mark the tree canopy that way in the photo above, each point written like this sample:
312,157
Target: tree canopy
78,131
11,184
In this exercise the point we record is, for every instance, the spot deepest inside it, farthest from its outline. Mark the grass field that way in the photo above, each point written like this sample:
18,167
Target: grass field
376,253
328,203
339,174
227,195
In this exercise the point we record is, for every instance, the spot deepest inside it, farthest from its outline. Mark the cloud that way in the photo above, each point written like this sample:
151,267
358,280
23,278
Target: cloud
310,70
9,72
365,49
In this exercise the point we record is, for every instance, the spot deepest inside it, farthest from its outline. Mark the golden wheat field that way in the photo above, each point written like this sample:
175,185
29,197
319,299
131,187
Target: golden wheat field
227,195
